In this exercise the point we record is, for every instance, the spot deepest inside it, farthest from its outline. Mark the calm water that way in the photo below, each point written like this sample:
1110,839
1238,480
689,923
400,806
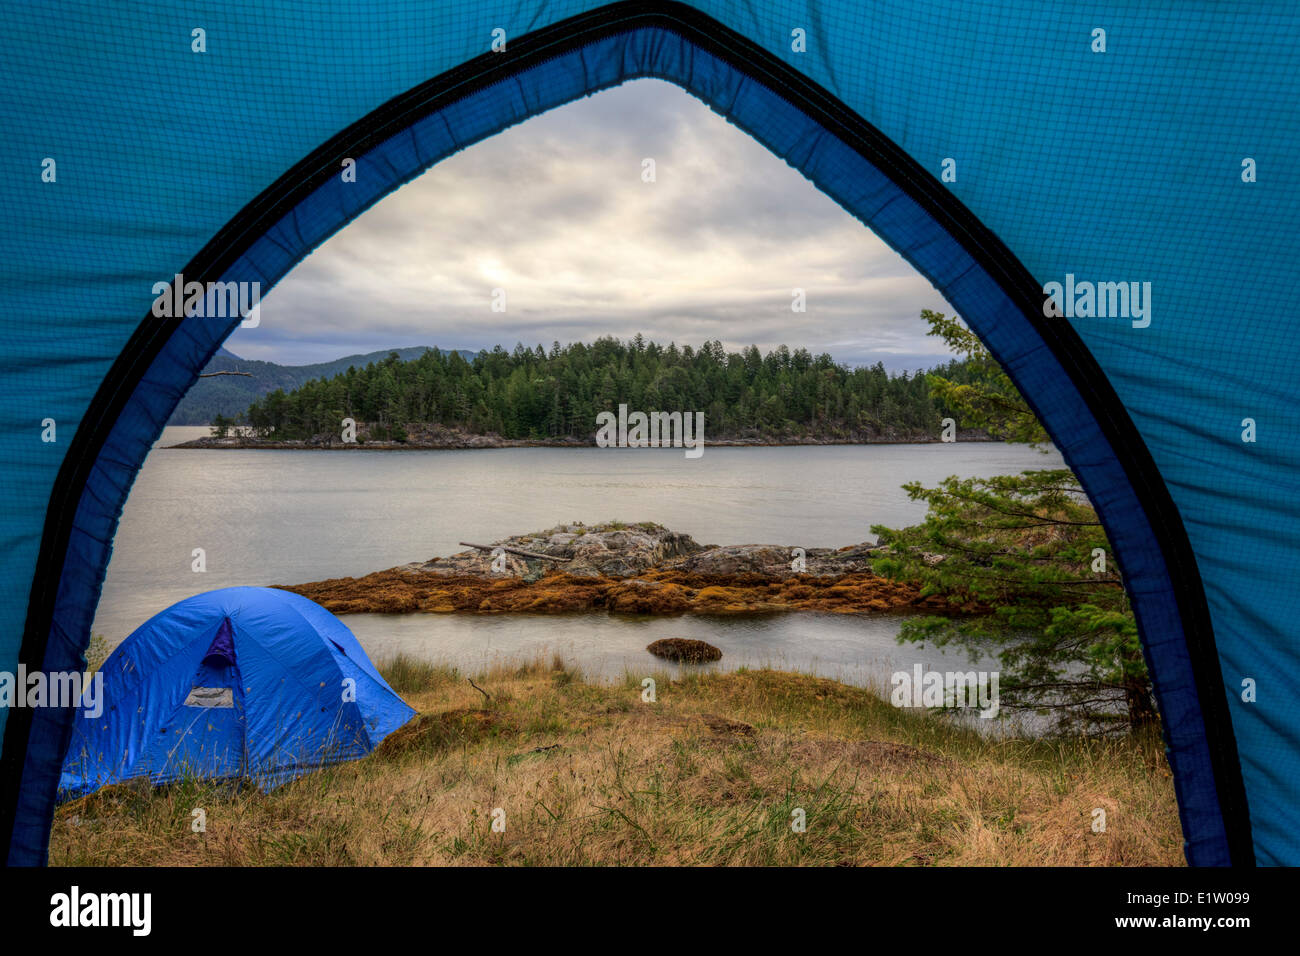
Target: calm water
271,517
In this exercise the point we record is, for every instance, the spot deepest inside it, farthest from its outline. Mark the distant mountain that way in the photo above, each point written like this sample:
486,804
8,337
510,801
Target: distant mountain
230,395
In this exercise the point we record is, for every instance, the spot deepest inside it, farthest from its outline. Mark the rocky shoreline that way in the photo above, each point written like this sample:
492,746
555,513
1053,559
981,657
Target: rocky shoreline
626,569
437,438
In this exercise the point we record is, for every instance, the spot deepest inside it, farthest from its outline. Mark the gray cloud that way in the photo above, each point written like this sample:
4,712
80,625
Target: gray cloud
555,212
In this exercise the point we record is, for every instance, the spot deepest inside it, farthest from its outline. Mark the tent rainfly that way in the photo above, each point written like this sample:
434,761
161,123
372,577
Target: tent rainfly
251,683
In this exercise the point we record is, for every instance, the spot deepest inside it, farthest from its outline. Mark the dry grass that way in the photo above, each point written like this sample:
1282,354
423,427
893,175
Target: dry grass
709,774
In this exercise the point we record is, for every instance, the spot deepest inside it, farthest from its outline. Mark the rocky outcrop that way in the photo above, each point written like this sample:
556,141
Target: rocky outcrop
685,651
778,561
621,550
614,549
621,568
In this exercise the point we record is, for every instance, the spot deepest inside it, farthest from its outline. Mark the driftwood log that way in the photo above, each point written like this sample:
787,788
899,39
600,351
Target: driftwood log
523,554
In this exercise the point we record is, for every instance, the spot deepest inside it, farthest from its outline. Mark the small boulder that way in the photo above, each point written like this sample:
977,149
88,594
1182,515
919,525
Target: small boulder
685,651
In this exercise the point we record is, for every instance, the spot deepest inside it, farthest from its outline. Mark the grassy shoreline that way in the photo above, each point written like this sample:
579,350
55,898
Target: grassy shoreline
709,774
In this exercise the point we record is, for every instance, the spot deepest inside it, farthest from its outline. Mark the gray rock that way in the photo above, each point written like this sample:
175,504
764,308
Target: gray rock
621,551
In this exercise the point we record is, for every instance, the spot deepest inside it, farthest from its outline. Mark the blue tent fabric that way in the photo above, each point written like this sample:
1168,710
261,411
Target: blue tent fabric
242,682
1111,166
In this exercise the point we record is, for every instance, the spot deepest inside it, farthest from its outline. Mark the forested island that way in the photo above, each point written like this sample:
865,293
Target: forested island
531,396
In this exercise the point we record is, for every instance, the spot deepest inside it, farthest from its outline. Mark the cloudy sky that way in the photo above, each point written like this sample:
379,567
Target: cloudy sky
555,212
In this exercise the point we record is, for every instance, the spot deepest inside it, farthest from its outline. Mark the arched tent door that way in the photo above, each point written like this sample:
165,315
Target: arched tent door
845,157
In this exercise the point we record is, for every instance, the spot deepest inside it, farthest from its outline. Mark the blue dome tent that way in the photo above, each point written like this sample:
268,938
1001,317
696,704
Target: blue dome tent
250,683
1042,163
